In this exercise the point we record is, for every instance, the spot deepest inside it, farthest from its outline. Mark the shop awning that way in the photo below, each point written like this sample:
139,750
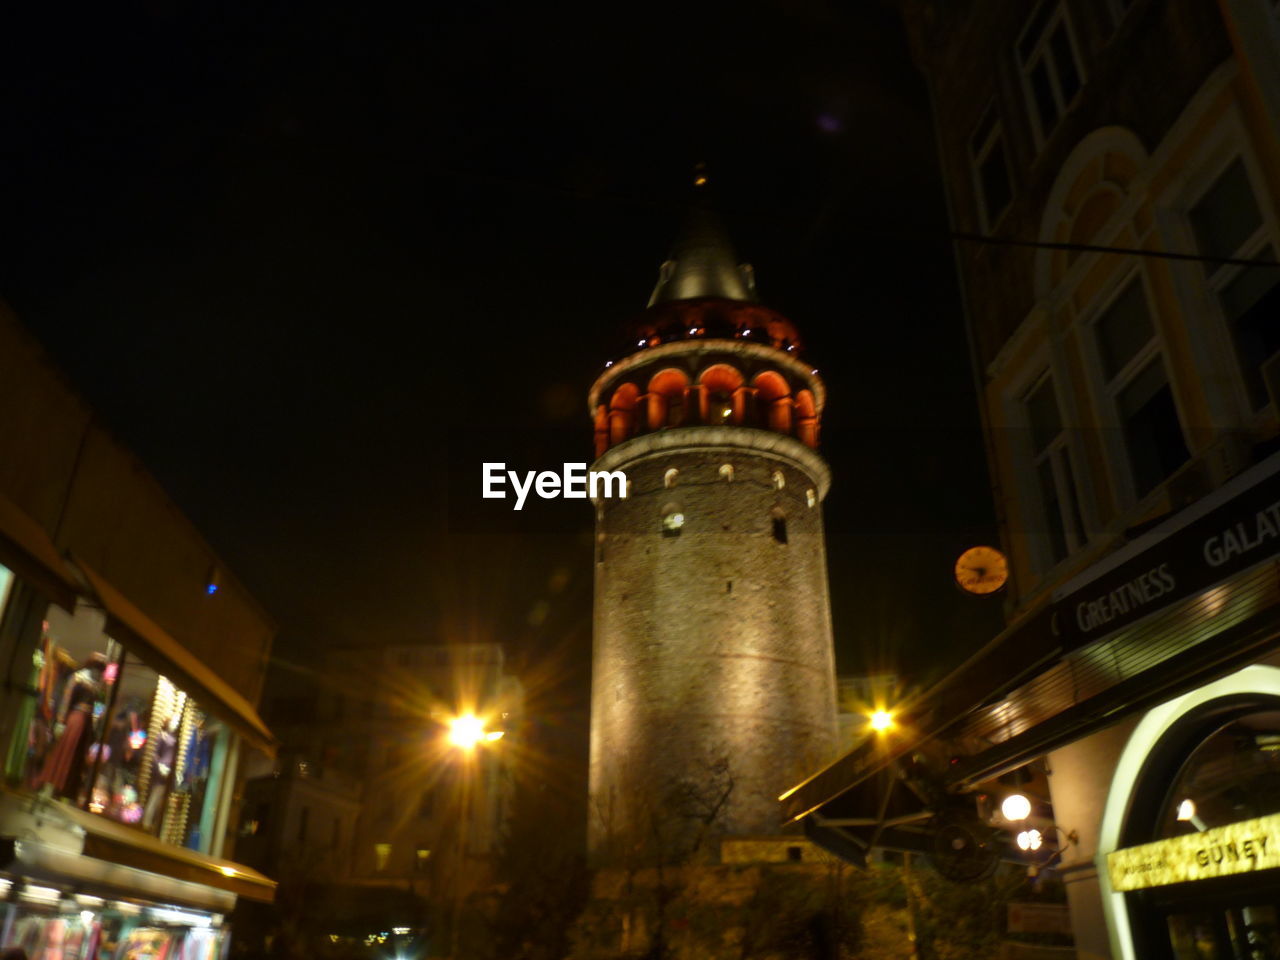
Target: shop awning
143,636
117,843
1190,600
112,859
26,549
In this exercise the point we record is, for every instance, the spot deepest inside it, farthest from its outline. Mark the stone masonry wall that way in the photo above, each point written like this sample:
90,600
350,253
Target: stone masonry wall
713,644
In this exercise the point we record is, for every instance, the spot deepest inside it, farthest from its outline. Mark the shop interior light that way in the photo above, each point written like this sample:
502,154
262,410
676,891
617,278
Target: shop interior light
399,931
173,915
1015,807
37,894
87,900
5,887
123,906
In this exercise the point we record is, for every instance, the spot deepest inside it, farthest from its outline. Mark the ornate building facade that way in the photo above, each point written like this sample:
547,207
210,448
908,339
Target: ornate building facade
1111,171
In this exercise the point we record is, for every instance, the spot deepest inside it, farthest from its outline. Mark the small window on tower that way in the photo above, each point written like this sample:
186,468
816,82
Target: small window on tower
779,481
669,478
672,523
810,497
726,471
780,529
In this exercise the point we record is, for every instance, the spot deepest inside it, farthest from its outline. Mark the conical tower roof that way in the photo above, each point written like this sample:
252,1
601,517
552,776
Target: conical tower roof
703,264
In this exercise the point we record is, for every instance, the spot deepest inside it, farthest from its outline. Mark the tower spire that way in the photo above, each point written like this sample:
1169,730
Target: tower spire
702,261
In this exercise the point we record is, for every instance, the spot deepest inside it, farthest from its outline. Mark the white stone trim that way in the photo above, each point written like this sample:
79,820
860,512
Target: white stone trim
776,446
1152,727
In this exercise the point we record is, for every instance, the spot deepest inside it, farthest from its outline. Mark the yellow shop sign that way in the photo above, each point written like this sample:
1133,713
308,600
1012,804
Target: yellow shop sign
1236,848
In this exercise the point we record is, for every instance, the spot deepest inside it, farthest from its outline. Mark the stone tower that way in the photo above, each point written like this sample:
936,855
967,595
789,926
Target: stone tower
713,659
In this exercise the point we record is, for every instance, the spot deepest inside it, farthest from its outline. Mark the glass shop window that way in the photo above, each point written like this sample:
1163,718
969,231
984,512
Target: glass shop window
106,732
1050,67
1139,390
1233,775
990,168
1227,223
1054,473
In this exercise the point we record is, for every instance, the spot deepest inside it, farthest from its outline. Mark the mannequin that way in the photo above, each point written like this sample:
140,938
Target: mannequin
64,766
165,757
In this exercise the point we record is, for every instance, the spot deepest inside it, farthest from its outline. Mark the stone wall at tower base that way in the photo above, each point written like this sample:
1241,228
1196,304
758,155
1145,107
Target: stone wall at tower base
746,912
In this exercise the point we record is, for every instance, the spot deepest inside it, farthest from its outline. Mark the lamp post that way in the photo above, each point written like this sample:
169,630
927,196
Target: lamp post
466,733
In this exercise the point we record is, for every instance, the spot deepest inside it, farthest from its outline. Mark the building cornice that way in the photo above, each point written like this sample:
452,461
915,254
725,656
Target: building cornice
718,439
712,347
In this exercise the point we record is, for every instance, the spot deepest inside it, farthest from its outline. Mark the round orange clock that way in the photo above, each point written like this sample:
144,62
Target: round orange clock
981,570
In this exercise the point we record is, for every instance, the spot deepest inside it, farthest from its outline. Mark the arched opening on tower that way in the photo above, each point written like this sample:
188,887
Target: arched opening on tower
778,525
666,398
601,429
806,417
722,395
622,412
773,399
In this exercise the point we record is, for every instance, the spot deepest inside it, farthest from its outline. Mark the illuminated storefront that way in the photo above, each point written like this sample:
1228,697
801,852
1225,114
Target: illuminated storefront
1142,717
130,659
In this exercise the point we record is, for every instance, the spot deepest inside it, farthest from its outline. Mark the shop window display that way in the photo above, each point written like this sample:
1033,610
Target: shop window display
103,730
64,929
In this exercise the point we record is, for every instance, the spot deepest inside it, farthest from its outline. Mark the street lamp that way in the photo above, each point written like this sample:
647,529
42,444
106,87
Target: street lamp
1015,807
881,720
467,730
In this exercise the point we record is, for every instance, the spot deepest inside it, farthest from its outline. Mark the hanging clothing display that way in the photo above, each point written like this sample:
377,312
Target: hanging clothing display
15,764
64,766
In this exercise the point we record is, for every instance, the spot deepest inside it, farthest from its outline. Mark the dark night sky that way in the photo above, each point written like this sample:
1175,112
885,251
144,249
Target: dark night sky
314,262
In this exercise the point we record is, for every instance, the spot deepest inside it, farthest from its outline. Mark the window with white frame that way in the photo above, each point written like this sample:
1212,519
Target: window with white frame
1134,375
1227,222
990,168
1054,473
1050,66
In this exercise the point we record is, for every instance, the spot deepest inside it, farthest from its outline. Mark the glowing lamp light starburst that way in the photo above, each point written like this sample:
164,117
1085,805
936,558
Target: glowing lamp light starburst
1015,807
1030,840
881,720
466,731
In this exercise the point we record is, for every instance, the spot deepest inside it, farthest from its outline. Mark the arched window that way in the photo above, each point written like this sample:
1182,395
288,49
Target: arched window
666,398
773,397
723,396
622,413
672,520
601,429
806,418
778,523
